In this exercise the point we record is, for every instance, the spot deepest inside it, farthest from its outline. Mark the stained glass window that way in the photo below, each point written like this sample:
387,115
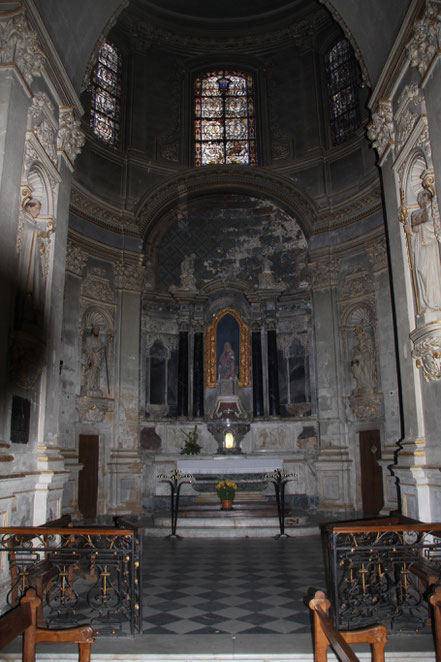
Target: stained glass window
106,95
342,91
224,123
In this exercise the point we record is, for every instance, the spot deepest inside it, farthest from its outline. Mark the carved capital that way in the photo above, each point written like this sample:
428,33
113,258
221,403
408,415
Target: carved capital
96,286
381,131
71,138
76,259
425,43
427,350
19,45
129,276
324,274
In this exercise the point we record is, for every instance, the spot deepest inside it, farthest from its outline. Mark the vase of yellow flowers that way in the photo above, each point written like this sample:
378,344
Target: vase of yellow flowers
226,491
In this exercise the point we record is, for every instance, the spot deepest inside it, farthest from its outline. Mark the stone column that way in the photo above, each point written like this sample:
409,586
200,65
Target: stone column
333,466
273,374
256,356
183,373
198,374
124,465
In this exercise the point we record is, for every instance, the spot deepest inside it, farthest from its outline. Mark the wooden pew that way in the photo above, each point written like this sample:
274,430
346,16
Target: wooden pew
325,635
23,620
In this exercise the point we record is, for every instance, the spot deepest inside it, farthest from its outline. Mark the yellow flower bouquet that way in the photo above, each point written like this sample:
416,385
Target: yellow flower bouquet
226,490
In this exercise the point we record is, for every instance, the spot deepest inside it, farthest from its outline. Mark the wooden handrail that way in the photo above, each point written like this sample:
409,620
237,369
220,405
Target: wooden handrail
355,527
67,531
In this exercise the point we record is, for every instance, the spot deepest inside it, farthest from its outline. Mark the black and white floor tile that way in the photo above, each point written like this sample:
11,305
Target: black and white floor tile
239,586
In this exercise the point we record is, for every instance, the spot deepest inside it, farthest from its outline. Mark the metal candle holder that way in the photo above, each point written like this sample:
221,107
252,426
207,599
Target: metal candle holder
175,479
279,479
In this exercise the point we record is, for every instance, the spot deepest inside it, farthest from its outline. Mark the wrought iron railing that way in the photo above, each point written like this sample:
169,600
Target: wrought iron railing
83,575
378,572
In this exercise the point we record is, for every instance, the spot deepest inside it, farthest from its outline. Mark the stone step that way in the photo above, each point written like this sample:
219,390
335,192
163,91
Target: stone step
394,656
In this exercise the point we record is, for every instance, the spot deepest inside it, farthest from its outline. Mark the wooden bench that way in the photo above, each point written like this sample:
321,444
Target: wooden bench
42,572
325,635
23,620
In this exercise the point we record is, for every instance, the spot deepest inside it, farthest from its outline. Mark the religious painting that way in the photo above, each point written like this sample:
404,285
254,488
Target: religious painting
227,349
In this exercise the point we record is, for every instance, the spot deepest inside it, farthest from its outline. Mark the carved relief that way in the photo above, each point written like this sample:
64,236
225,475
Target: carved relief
426,42
364,407
92,410
324,274
356,284
377,255
76,259
129,276
427,350
19,45
381,129
71,138
43,125
96,286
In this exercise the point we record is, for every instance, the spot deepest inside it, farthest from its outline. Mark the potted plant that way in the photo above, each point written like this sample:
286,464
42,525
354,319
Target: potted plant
191,446
226,491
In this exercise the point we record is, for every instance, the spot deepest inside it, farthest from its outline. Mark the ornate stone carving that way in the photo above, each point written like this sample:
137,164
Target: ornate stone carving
381,129
96,286
42,124
70,138
377,255
266,277
427,350
426,41
129,276
93,410
76,259
107,217
324,274
19,46
365,407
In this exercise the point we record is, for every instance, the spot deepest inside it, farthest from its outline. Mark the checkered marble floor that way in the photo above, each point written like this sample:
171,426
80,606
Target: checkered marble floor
230,586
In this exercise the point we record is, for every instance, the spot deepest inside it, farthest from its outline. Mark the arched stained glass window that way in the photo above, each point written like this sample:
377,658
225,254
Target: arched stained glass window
342,91
106,95
224,123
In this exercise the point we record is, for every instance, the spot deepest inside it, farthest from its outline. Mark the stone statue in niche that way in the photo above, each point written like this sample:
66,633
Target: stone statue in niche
188,281
363,362
33,248
425,253
96,357
266,277
227,363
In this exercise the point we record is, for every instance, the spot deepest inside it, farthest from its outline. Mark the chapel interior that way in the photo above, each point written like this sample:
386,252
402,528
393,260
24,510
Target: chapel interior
220,224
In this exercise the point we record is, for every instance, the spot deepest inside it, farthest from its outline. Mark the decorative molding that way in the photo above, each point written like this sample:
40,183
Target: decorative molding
129,276
71,138
426,42
76,259
377,255
427,350
93,209
381,130
20,46
324,274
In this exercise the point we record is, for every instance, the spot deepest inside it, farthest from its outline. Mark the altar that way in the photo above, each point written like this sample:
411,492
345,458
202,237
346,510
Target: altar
225,465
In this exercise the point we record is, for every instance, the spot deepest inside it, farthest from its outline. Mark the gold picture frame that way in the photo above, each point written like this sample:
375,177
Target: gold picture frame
244,377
